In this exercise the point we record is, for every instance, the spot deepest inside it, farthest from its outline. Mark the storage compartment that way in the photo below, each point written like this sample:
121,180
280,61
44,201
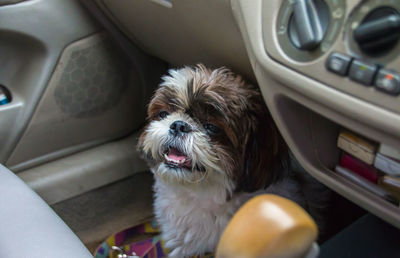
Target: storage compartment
372,165
315,141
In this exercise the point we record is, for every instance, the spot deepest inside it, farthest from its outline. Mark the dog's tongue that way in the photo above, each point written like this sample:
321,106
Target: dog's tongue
176,155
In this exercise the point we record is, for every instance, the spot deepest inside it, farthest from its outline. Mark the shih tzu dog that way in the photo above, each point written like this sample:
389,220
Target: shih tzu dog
211,145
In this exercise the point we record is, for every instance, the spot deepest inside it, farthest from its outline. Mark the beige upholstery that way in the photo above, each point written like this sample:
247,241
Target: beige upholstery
29,227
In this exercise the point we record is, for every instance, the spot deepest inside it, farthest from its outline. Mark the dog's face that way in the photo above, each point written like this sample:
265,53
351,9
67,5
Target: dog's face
209,127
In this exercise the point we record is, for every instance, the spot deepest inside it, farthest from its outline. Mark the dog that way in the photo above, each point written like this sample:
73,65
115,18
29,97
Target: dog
212,145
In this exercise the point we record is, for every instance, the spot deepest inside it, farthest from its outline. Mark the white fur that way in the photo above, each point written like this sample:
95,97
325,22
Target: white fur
195,145
190,207
192,219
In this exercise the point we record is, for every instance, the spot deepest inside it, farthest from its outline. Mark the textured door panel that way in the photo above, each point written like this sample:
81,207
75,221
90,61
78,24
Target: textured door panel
33,35
72,86
93,95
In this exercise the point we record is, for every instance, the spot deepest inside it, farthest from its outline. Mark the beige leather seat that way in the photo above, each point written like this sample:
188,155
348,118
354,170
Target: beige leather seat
29,227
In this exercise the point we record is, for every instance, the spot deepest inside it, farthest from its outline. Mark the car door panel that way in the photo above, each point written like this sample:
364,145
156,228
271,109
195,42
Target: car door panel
91,98
33,35
77,95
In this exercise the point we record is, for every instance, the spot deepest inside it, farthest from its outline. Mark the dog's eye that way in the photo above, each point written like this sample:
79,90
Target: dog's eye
212,129
163,114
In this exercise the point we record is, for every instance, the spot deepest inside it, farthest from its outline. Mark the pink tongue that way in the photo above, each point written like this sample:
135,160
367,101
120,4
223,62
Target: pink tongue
175,155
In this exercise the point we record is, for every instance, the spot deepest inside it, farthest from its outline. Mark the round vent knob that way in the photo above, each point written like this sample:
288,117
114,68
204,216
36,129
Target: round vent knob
379,31
309,23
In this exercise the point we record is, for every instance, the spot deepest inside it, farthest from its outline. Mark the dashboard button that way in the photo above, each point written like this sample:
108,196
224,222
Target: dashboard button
362,72
388,81
338,63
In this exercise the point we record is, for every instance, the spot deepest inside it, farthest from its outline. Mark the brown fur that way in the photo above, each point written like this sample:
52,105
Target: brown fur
250,147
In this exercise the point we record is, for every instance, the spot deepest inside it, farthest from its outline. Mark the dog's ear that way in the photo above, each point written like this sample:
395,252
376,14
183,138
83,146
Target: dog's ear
264,151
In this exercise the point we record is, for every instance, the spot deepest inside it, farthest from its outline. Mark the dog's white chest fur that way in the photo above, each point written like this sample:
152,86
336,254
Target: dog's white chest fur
192,220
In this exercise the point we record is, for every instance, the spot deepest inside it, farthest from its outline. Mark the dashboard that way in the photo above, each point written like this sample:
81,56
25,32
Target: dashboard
322,66
355,40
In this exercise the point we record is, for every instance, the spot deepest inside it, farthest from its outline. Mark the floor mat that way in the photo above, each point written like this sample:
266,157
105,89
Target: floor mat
96,215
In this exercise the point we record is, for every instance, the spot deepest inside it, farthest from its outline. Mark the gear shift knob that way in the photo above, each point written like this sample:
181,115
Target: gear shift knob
268,226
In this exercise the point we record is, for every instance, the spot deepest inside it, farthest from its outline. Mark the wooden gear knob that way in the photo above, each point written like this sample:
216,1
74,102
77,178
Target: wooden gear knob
268,226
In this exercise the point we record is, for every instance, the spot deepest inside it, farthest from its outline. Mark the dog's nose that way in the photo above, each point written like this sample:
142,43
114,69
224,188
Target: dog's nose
179,127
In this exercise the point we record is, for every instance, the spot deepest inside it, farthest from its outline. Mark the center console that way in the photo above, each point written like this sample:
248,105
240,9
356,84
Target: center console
325,67
354,40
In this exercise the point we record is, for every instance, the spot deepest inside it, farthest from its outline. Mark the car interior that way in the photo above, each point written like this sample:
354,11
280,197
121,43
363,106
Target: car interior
76,78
